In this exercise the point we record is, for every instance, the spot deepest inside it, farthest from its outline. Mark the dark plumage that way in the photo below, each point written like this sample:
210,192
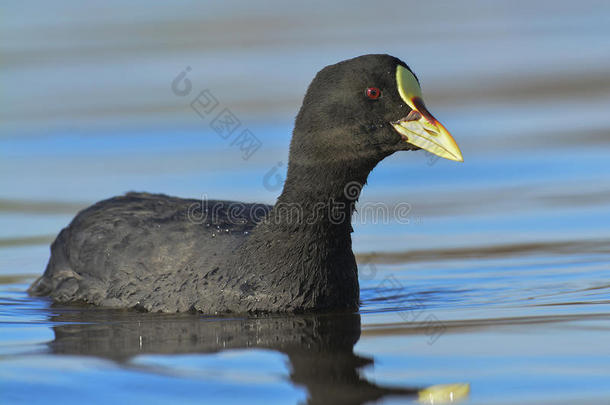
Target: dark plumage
160,253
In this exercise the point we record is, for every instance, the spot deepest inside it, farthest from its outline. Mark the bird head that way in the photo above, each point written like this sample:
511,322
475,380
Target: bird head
369,106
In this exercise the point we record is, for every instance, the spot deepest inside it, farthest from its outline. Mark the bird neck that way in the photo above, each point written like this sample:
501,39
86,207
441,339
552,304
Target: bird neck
303,247
322,194
322,197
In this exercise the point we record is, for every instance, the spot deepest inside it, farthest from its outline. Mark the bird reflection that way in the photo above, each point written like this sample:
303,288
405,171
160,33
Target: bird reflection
320,348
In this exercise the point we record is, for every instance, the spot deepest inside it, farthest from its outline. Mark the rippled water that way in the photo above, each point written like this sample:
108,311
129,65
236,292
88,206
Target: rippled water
498,276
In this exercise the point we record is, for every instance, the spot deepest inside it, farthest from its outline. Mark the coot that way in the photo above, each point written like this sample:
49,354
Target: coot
159,253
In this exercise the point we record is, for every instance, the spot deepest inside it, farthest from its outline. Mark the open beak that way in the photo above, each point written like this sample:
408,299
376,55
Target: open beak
420,128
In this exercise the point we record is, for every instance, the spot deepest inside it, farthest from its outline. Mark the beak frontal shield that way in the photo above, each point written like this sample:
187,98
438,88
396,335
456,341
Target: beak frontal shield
421,128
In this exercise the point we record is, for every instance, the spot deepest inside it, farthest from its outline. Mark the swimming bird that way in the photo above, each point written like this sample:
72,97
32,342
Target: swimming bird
158,253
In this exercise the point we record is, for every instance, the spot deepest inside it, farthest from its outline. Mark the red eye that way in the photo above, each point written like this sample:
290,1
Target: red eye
373,93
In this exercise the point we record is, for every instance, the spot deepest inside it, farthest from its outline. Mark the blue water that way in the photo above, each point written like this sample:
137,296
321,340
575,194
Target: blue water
497,276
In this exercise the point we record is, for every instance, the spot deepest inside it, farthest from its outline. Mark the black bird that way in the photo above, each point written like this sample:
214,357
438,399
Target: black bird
160,253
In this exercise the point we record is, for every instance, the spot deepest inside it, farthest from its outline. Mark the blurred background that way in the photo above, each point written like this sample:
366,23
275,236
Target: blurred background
88,111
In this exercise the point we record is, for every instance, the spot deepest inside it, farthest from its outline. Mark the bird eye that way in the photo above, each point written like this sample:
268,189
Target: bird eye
373,93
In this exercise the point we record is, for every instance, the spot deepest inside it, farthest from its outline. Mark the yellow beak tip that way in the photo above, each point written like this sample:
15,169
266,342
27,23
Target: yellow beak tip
425,132
456,157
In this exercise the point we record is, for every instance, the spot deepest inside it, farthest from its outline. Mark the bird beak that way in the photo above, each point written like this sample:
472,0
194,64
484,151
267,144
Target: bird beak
420,128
